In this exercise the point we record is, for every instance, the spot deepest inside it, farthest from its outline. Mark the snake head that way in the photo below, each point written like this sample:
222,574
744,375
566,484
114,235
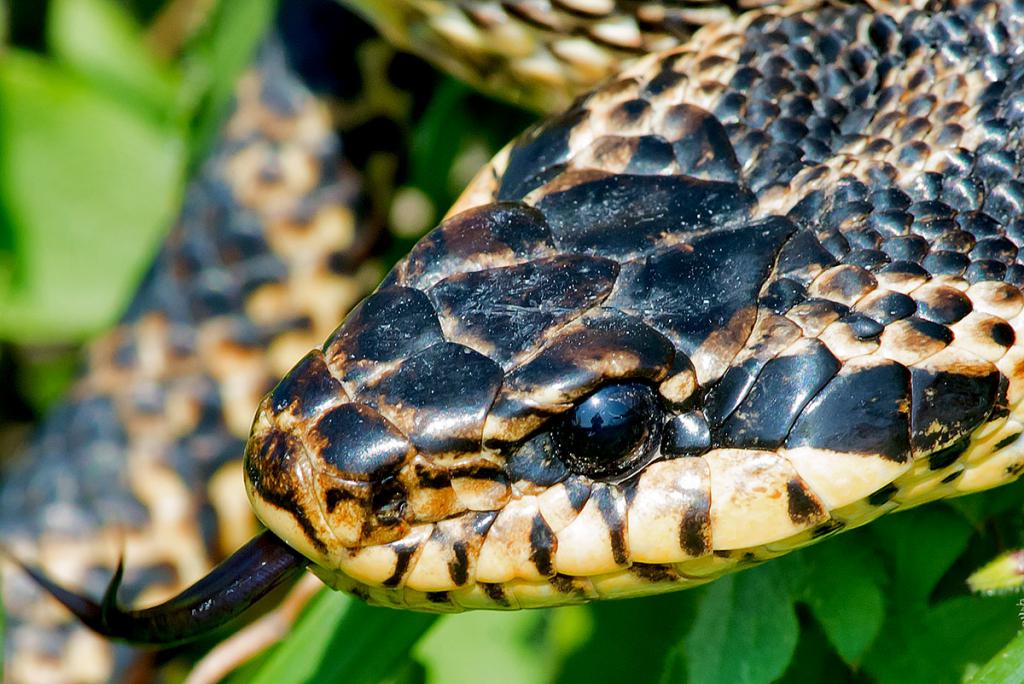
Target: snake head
504,420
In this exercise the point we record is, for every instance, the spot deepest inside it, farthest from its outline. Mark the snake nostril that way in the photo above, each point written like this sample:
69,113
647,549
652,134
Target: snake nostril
389,502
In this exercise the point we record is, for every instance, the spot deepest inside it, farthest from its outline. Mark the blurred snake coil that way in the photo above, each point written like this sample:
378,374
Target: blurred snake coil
760,286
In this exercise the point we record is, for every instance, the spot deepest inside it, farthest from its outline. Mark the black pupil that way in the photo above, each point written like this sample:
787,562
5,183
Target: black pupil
609,431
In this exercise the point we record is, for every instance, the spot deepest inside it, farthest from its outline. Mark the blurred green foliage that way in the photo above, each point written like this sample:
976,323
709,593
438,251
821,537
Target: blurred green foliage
97,137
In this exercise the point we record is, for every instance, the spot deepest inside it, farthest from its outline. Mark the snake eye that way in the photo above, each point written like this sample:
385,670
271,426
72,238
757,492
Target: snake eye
610,432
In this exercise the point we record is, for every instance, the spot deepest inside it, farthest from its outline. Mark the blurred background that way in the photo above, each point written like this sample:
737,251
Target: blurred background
107,107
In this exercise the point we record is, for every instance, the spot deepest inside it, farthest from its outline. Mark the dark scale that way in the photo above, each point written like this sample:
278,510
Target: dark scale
391,324
862,410
996,249
906,248
536,461
691,290
946,263
782,294
775,399
864,327
438,397
949,405
503,232
868,259
357,443
629,214
701,144
307,389
985,269
686,435
947,236
538,155
506,310
944,305
891,307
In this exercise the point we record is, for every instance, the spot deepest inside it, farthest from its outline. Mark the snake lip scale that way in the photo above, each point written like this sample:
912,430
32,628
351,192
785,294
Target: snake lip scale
756,289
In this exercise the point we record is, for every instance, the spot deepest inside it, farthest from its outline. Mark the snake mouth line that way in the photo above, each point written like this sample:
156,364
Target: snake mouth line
670,529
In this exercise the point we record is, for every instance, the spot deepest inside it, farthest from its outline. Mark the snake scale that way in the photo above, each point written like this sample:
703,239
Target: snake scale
759,287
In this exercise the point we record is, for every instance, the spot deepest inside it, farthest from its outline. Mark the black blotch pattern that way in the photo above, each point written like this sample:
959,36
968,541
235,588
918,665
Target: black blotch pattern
439,397
781,391
628,214
948,406
695,529
801,507
508,309
1007,441
542,542
359,443
308,388
864,411
827,528
691,290
391,324
947,456
613,513
404,551
952,476
883,495
495,592
458,567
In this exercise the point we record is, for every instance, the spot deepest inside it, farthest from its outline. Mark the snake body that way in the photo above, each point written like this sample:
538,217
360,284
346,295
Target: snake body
793,231
143,457
800,228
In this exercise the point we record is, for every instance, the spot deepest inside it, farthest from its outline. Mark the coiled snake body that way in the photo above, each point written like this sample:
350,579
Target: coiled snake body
754,290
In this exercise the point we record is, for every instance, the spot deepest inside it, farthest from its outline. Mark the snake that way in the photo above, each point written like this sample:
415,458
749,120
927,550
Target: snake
758,287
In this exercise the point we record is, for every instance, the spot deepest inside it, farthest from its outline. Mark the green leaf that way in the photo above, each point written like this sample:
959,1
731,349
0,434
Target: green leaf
923,545
504,645
939,645
100,40
843,590
621,629
814,660
922,641
44,376
983,505
87,188
295,659
217,57
339,639
1005,666
745,630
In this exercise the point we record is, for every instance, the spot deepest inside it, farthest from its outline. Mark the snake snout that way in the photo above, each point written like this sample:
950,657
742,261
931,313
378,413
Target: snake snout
321,470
